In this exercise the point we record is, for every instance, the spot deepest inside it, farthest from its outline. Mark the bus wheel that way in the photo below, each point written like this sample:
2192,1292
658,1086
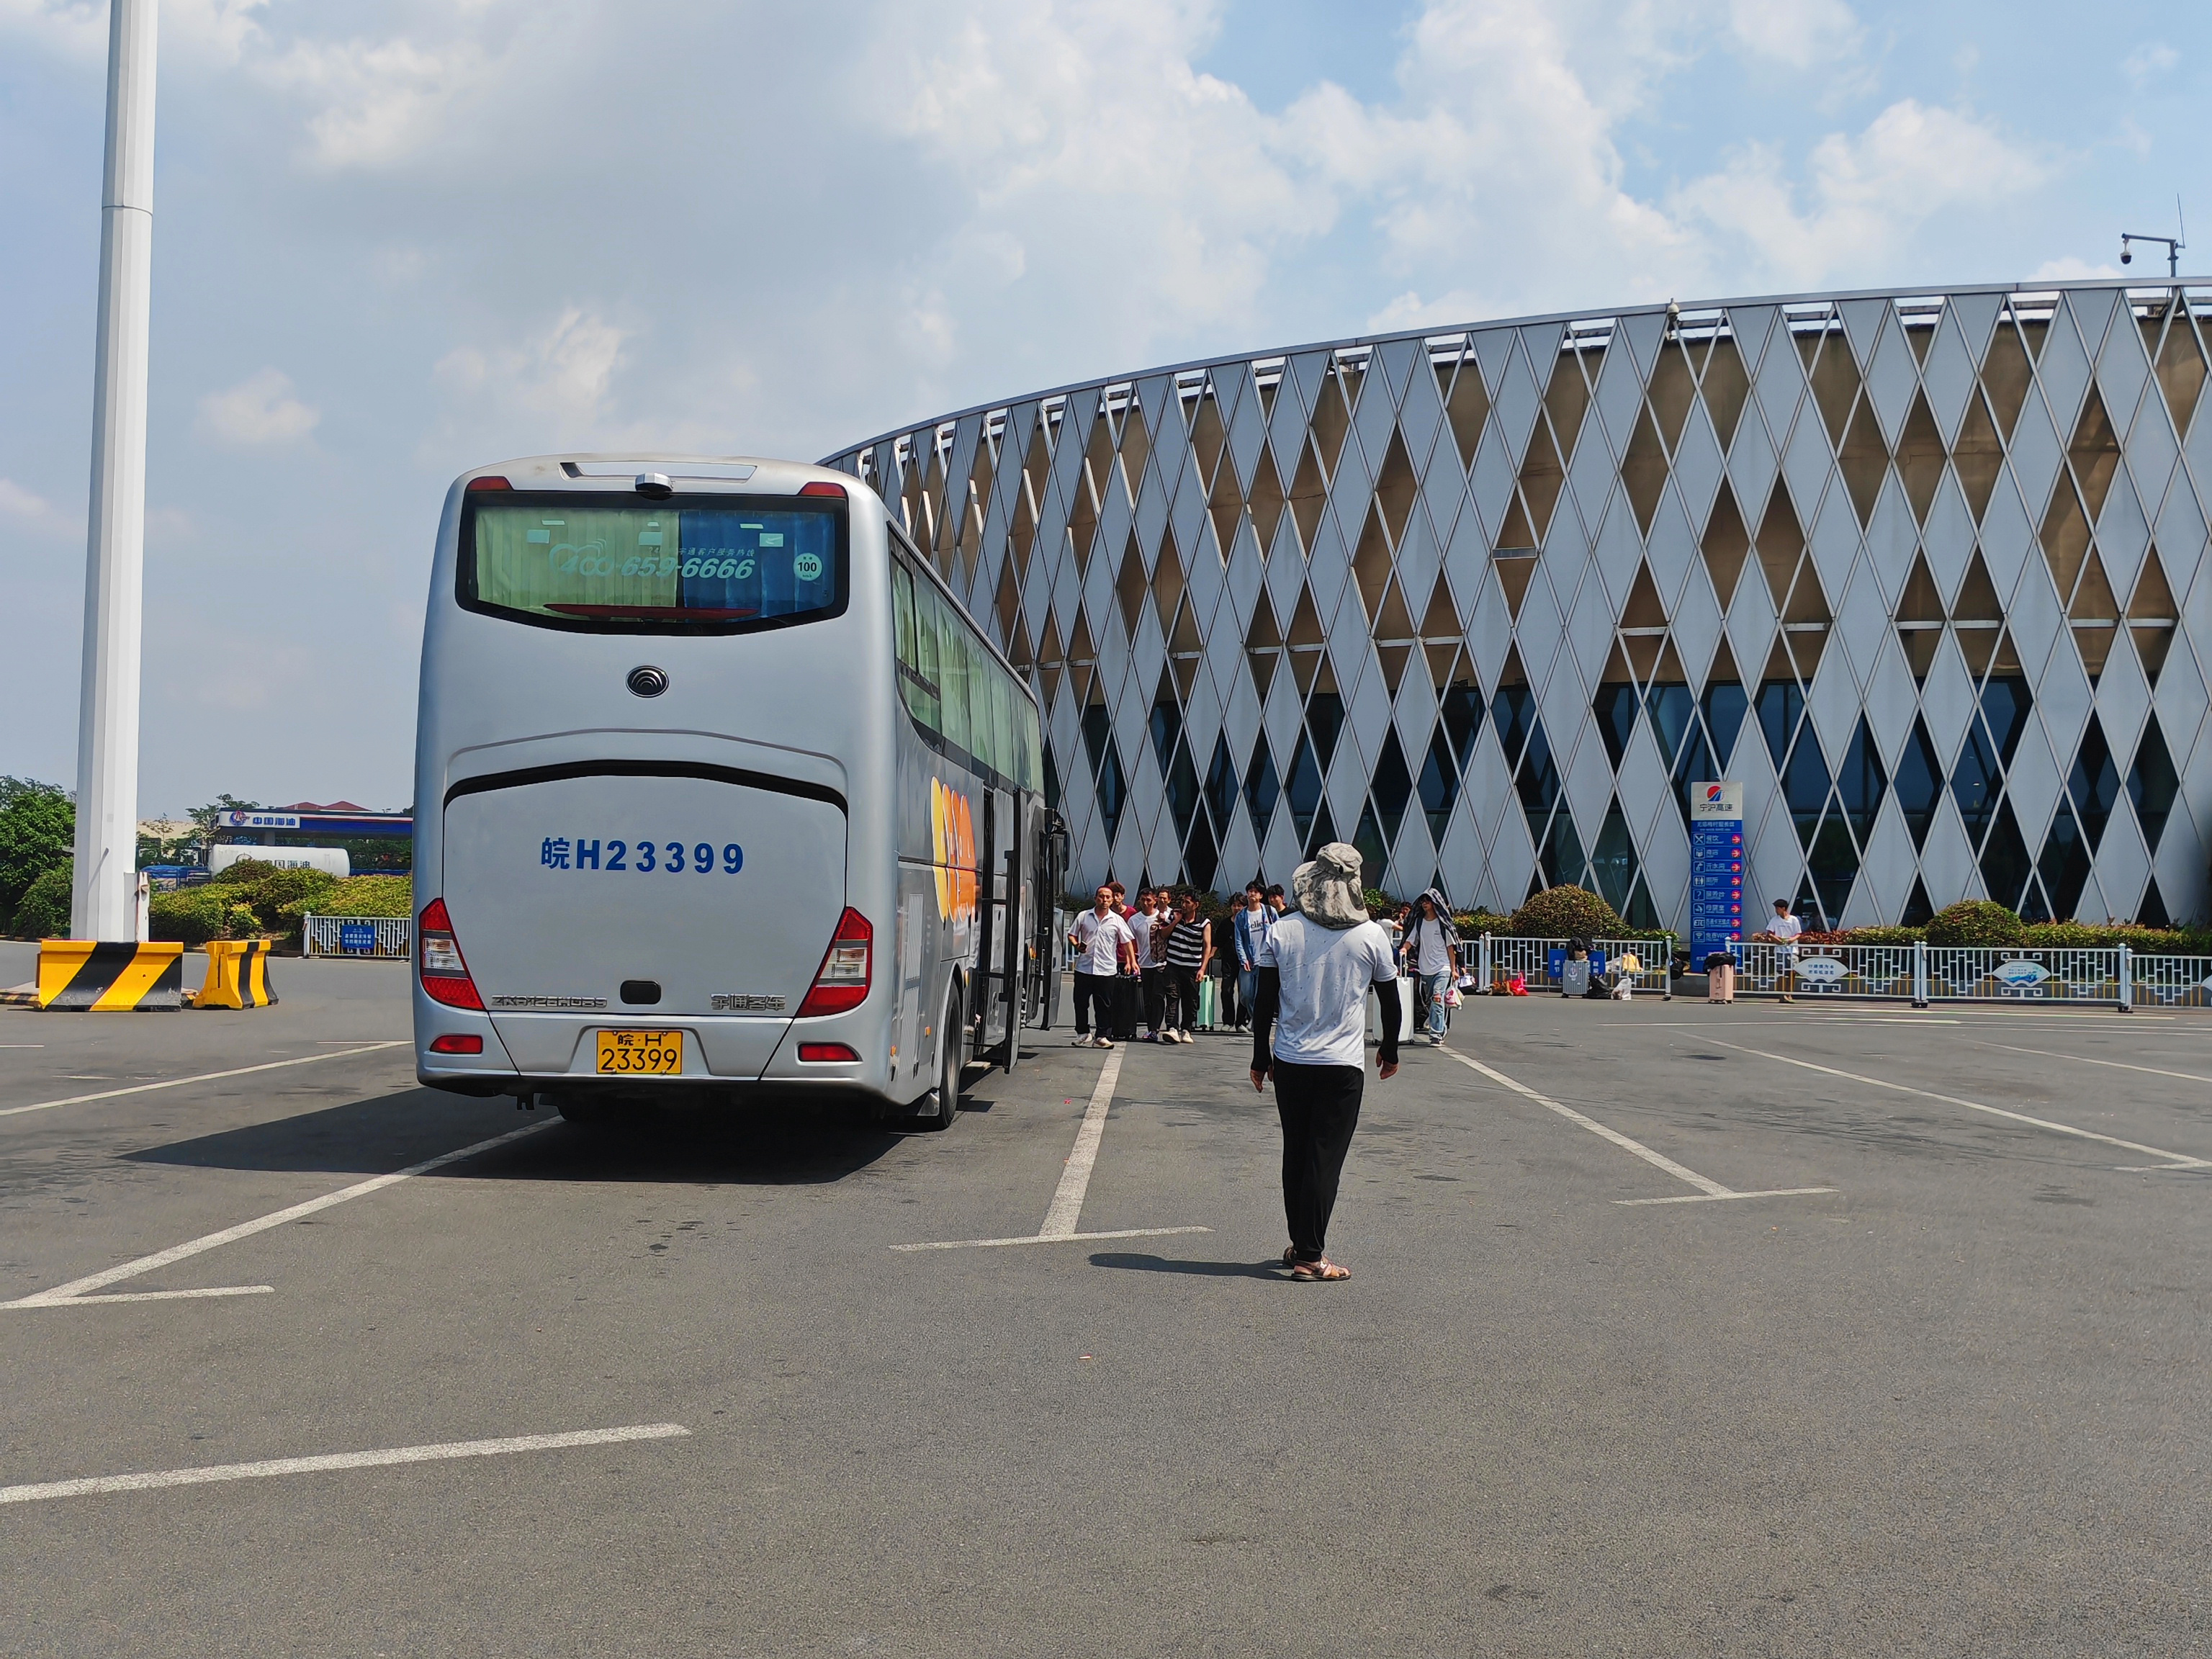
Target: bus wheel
942,1105
583,1111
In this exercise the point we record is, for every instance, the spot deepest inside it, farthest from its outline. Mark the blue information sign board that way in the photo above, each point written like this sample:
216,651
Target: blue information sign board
1716,864
357,939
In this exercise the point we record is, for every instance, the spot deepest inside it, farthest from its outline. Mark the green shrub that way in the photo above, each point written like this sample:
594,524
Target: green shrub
43,912
357,896
1566,913
1473,924
1884,936
193,916
1976,921
38,833
275,898
2092,935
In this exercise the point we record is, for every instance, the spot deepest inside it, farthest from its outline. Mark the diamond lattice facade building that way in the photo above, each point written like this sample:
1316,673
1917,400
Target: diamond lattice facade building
1927,573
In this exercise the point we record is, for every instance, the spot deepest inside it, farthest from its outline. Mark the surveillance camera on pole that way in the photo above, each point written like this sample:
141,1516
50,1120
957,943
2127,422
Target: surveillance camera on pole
2173,244
104,899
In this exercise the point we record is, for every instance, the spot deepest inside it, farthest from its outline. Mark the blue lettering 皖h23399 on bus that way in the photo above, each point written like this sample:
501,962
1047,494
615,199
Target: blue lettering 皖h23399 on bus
672,857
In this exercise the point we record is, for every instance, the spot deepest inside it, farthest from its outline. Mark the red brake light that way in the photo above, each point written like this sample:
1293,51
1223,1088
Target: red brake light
842,982
822,487
826,1051
494,482
438,954
451,1043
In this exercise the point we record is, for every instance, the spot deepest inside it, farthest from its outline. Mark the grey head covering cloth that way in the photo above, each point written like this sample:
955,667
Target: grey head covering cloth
1328,889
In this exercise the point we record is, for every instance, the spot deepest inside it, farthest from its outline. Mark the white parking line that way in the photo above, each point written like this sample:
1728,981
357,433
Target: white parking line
2117,1065
1709,1192
204,1077
1049,1239
360,1459
2174,1160
77,1292
1067,1206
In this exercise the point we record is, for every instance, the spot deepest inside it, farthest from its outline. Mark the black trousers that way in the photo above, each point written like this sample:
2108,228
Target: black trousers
1319,1108
1156,992
1092,990
1183,997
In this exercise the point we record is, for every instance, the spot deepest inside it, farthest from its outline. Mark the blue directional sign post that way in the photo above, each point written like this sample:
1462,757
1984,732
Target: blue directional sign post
1716,864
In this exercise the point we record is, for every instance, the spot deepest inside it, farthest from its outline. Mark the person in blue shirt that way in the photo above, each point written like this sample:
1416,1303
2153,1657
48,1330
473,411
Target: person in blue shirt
1249,931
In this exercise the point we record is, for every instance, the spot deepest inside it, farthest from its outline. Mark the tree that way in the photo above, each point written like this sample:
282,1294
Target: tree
206,817
38,833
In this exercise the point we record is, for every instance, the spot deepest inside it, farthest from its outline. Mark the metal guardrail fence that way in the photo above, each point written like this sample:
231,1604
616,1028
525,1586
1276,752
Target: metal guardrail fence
2111,976
357,936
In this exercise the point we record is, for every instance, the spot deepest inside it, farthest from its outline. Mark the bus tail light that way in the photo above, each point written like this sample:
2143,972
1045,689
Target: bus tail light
451,1043
445,974
822,487
493,483
817,1053
842,982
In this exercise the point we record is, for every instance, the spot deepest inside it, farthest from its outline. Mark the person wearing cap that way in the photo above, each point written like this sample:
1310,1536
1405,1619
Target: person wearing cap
1312,972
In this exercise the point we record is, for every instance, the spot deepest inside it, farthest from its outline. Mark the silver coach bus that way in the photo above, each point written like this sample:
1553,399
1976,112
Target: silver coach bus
719,790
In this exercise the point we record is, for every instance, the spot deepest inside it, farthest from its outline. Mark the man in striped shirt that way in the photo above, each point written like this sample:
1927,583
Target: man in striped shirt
1189,948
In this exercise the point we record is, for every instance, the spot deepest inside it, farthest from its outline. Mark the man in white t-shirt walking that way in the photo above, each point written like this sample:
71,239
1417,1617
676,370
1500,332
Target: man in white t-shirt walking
1313,971
1783,931
1104,946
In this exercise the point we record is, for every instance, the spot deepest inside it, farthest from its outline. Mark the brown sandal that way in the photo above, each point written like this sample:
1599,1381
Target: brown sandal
1323,1271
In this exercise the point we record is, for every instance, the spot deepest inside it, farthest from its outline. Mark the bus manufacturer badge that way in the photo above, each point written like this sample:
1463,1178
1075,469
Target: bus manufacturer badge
744,1002
548,1002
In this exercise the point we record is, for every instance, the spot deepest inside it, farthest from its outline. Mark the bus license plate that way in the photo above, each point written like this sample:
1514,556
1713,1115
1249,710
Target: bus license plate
642,1054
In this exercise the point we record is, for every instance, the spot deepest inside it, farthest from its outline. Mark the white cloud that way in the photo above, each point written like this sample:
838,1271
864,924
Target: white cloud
2147,62
1864,193
35,512
564,371
260,409
1798,33
2071,269
377,101
1092,160
74,29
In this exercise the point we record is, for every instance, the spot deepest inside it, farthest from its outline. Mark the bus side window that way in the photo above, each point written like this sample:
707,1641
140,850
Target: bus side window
953,682
925,653
902,609
1002,748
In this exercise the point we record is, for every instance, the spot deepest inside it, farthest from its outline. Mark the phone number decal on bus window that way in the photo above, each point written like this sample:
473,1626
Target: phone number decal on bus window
673,858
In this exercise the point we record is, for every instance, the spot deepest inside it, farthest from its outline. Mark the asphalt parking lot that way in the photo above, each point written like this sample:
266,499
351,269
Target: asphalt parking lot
1674,1330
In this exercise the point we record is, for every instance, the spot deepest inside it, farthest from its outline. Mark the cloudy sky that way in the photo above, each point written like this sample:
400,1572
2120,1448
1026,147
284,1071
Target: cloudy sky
394,240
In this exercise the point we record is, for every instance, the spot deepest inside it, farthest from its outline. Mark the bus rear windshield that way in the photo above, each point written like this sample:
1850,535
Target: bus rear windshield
714,564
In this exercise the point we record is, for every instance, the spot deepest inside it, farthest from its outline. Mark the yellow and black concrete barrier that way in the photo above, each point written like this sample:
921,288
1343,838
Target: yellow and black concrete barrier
80,976
237,975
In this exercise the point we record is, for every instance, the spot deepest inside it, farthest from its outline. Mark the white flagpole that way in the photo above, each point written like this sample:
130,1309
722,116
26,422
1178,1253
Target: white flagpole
103,900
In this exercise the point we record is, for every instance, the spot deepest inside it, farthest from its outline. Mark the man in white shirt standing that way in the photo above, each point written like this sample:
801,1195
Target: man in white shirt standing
1103,946
1150,926
1314,970
1783,931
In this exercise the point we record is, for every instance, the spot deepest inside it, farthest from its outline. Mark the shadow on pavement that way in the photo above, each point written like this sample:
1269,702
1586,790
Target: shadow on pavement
1160,1264
374,1136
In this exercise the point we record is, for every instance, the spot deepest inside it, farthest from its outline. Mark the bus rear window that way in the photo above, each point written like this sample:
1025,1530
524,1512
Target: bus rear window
713,565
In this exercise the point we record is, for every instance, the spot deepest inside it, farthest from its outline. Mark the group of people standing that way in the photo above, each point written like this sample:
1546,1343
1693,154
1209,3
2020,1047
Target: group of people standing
1149,961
